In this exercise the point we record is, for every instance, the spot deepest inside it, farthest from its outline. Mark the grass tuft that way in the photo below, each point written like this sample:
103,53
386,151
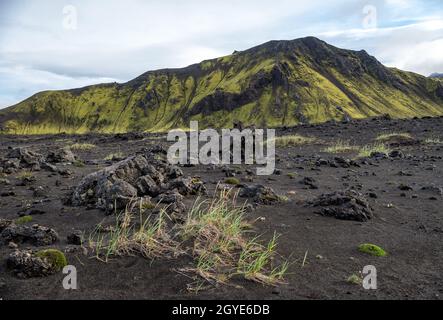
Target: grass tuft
293,140
255,261
393,135
149,238
214,232
25,175
82,146
114,156
368,150
221,249
341,147
355,279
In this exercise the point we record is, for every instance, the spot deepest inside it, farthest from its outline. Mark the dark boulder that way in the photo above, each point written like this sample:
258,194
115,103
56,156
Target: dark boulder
36,235
259,194
62,155
343,205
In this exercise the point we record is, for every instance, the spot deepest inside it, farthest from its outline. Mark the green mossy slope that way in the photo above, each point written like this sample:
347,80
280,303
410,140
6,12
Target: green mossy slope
280,83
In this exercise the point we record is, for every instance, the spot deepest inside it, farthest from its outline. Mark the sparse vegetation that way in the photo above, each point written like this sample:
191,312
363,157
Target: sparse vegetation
82,146
341,147
255,260
293,140
150,238
23,220
368,150
292,175
114,156
372,249
355,279
25,175
393,135
221,248
215,230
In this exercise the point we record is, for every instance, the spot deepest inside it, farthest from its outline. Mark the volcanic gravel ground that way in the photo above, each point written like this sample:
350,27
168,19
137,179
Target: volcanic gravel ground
407,221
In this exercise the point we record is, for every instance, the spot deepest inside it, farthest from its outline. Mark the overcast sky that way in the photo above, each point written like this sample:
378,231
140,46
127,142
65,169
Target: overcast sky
58,44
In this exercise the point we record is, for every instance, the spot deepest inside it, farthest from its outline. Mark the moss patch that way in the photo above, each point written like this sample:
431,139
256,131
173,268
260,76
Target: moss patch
232,181
55,257
23,220
372,249
355,279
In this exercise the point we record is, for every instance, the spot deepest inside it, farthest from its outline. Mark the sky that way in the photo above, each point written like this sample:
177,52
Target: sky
60,44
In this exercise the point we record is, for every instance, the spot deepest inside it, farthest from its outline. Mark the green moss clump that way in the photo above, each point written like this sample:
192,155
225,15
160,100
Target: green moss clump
292,175
355,279
23,220
372,249
232,181
55,257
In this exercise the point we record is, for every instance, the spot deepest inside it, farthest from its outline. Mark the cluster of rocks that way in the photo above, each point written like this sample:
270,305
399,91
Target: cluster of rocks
343,205
146,177
28,264
310,183
22,158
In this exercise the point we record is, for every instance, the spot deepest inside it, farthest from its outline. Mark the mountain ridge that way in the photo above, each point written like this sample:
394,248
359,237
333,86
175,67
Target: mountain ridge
278,83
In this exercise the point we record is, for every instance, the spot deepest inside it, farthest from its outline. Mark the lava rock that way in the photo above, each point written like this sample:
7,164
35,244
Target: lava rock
4,223
405,187
169,197
25,264
396,154
135,177
344,205
75,238
62,155
433,190
26,158
36,235
259,194
311,183
30,212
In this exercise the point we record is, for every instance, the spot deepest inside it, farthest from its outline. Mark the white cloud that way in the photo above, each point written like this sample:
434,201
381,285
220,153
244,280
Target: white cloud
122,39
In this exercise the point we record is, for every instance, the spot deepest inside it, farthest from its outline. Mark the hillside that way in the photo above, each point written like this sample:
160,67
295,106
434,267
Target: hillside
279,83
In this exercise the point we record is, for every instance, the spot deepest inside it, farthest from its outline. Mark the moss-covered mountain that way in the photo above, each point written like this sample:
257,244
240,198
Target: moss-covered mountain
279,83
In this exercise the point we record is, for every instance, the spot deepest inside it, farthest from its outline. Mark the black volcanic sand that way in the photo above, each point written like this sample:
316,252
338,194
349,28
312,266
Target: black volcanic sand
407,224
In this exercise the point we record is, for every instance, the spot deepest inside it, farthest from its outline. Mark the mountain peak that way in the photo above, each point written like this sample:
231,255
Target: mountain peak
436,75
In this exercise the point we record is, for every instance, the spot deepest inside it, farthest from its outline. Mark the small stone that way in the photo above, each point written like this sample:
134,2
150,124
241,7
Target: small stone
12,245
75,238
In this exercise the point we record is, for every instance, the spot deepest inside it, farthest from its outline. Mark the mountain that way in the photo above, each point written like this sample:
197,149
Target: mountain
438,76
279,83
